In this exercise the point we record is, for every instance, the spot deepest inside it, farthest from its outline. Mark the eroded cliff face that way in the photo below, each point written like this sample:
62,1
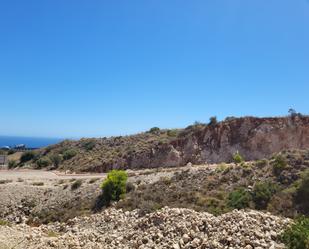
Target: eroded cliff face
254,138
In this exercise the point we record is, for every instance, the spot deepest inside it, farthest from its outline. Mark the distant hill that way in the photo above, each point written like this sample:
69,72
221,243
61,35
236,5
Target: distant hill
254,138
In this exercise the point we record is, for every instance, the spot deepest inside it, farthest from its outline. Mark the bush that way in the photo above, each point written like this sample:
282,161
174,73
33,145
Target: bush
56,159
38,183
88,145
302,194
172,133
114,186
75,185
262,193
12,164
213,120
237,158
279,164
239,199
297,236
43,162
27,156
154,130
68,154
130,187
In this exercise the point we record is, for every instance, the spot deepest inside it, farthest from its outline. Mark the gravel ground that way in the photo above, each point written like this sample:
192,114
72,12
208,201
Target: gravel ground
167,228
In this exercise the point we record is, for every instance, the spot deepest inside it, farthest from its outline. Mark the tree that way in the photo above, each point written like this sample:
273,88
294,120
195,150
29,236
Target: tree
114,186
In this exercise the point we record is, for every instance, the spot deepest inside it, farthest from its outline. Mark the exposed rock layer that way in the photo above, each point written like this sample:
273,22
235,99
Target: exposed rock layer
254,138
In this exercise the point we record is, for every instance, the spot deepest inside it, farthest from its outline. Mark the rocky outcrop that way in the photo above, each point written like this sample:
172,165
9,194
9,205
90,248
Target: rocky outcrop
254,138
167,228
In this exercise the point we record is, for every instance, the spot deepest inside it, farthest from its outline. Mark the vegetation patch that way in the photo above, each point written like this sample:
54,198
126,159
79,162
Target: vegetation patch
262,193
239,199
297,235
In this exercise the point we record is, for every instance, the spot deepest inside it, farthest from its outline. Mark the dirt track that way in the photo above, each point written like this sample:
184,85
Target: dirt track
40,174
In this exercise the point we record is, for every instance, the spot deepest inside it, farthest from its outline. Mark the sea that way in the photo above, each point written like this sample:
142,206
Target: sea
30,142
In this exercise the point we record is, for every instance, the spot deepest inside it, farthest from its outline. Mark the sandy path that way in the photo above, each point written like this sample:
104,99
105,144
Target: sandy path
40,174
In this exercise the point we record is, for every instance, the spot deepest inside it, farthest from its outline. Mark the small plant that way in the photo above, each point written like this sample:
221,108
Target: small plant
43,162
93,180
262,193
4,223
130,187
68,154
239,199
114,186
75,185
297,235
12,164
279,164
27,156
38,183
5,181
237,158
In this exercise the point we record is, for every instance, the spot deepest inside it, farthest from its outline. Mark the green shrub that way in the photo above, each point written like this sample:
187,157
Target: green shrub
12,164
75,185
237,158
88,145
27,156
239,199
43,162
114,186
56,159
262,193
302,194
68,154
4,223
279,164
297,235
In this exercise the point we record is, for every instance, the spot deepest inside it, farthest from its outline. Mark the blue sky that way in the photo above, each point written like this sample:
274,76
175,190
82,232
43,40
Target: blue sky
99,68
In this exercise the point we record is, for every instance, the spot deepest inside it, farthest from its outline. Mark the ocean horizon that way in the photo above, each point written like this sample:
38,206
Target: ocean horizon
30,142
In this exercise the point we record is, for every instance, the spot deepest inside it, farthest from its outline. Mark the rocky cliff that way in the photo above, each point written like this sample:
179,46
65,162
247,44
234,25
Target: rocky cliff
254,138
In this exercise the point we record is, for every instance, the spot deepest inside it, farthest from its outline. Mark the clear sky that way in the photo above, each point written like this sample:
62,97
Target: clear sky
97,68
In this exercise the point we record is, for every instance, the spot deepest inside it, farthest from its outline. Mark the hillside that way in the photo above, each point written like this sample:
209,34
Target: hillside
254,138
179,207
